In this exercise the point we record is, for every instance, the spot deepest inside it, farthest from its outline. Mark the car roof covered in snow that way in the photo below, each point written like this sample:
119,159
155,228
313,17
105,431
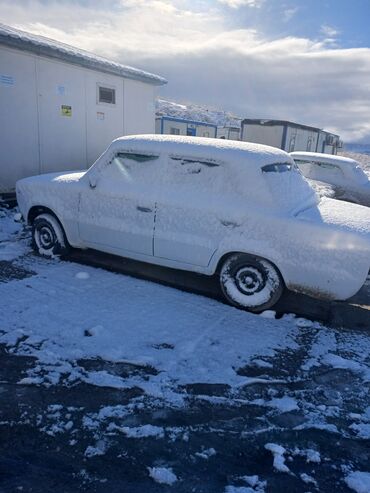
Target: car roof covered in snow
325,158
40,45
244,160
255,155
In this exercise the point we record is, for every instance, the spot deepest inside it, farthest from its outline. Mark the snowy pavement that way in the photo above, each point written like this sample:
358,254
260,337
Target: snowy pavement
114,383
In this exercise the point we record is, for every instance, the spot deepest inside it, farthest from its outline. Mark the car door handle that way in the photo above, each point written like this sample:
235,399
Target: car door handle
143,209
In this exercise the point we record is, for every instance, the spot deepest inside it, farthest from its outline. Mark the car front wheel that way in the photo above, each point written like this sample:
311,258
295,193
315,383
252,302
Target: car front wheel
250,282
48,237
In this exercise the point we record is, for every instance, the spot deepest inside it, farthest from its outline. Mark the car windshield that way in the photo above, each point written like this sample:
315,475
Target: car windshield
290,190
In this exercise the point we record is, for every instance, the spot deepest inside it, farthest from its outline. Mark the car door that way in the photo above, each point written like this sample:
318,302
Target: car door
188,225
117,214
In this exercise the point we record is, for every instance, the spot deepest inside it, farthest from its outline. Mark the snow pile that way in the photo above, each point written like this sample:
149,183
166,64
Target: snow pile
206,454
308,479
358,481
95,450
162,475
312,456
339,362
144,431
284,404
279,460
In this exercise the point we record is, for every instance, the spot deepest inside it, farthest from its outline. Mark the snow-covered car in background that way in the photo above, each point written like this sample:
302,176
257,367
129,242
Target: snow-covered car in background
344,175
243,211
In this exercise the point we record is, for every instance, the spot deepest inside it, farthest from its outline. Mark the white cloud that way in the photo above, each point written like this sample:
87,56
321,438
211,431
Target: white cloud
288,14
207,61
329,31
236,4
330,35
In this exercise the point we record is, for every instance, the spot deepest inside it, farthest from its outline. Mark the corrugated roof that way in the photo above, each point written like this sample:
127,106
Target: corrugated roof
40,45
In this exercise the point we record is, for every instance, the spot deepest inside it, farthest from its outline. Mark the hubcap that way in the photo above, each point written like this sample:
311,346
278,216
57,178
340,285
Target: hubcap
249,280
46,237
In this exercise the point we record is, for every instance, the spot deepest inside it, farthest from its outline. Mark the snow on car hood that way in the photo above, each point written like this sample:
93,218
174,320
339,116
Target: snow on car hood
65,177
349,217
46,189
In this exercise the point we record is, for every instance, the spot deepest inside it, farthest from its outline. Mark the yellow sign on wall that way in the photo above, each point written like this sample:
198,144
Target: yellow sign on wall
66,110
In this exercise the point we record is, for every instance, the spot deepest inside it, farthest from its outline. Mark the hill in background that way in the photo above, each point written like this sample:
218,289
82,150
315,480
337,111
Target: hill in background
197,112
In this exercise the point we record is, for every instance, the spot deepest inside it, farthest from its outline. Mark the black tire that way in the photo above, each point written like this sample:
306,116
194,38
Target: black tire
251,283
48,237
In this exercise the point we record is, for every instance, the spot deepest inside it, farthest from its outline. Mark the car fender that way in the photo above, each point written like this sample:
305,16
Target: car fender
51,197
314,259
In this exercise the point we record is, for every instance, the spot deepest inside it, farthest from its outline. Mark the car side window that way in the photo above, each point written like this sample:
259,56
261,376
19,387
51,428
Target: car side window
134,167
194,172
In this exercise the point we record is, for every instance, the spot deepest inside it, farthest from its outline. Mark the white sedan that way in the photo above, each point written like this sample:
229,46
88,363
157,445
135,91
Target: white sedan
345,176
240,210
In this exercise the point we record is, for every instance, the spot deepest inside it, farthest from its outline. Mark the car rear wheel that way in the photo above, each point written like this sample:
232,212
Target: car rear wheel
251,283
48,237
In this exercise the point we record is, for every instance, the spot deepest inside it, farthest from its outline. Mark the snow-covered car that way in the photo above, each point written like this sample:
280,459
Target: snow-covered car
240,210
344,175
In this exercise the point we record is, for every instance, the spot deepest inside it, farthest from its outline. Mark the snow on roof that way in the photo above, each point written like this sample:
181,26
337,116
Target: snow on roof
251,153
271,123
325,158
40,45
185,120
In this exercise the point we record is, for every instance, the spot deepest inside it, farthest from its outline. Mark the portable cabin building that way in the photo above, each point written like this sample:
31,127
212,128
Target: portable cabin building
179,126
228,132
289,136
62,106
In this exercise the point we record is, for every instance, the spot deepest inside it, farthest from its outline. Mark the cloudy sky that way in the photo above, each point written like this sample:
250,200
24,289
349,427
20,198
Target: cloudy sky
300,60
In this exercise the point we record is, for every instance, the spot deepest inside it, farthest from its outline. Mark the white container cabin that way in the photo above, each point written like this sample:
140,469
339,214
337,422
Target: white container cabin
62,106
180,126
289,136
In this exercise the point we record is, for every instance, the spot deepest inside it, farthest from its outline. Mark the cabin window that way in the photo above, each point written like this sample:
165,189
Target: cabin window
106,95
174,131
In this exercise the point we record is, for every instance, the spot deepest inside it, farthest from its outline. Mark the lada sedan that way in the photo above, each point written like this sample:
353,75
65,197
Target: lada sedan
243,211
345,176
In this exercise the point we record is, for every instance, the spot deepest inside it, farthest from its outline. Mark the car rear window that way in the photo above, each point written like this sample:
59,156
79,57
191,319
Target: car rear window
277,168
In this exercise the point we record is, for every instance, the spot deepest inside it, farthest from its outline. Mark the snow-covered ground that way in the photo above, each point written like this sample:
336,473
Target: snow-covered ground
181,390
